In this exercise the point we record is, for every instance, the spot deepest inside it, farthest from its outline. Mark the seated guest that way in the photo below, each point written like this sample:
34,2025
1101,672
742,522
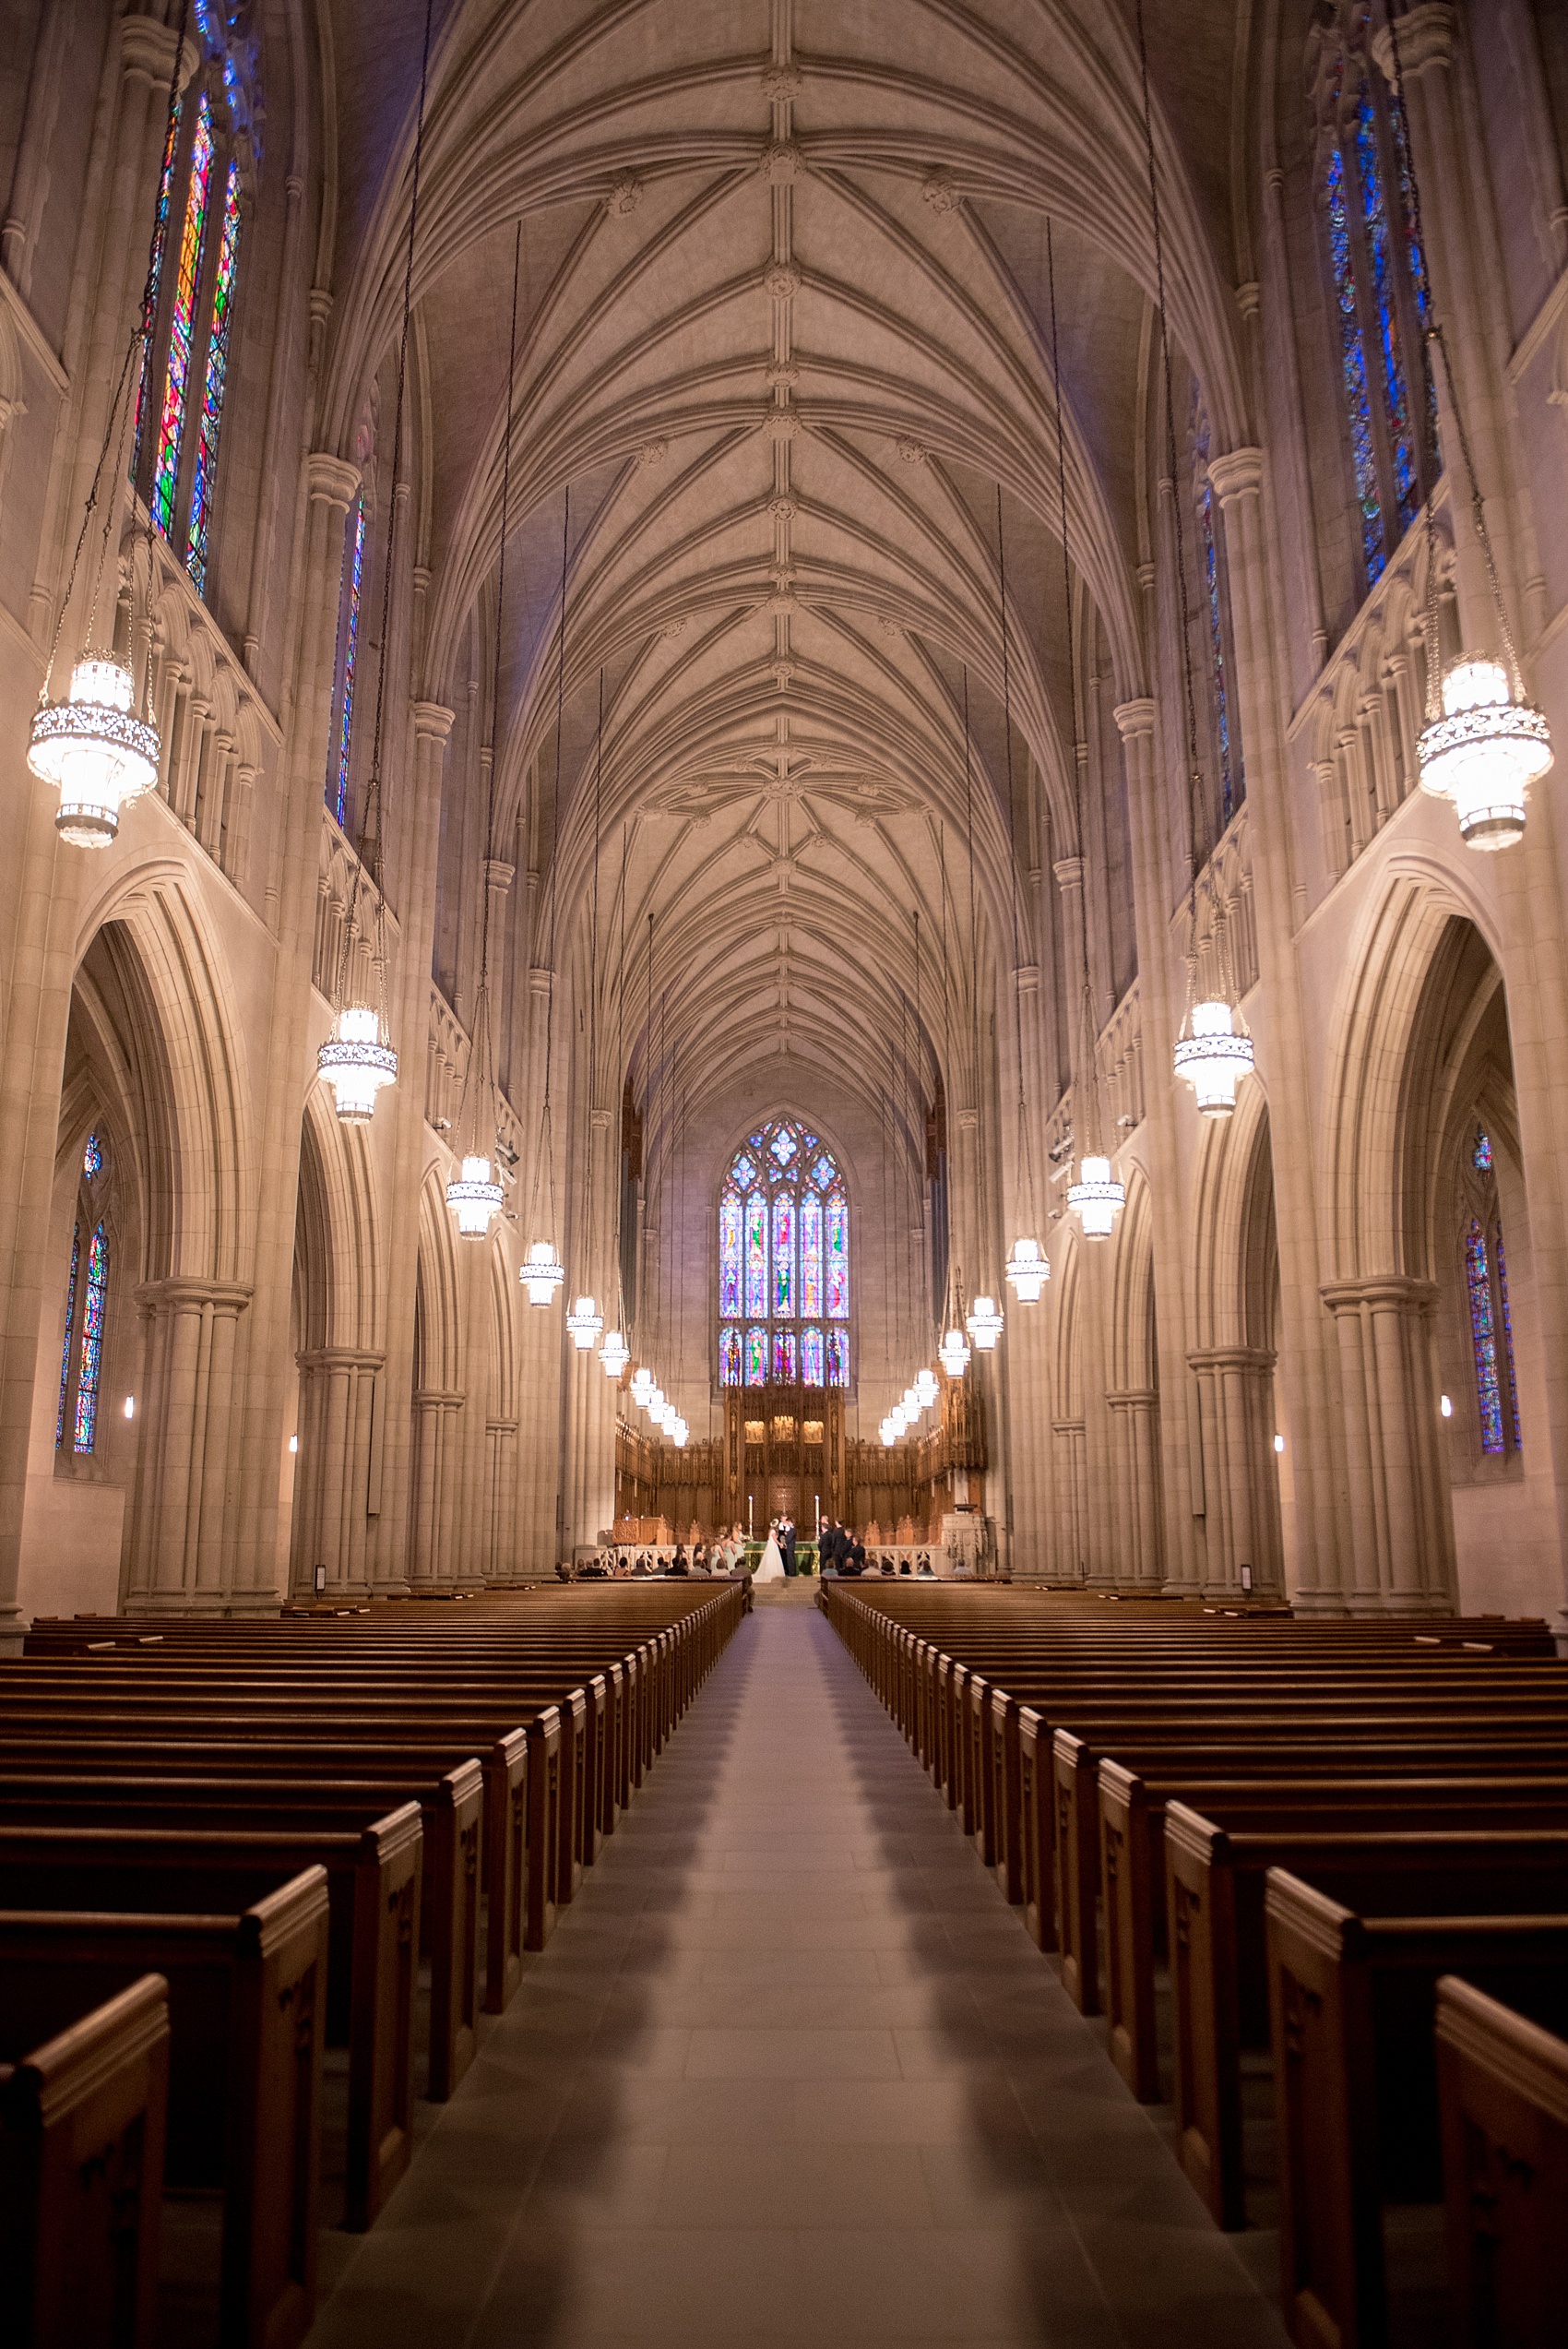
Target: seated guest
903,1566
858,1555
678,1563
562,1573
642,1568
925,1566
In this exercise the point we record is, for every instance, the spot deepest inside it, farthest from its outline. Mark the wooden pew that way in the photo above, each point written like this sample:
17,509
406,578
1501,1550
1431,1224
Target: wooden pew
372,1878
246,1994
1214,1881
1503,2090
1352,2001
1132,1833
82,2123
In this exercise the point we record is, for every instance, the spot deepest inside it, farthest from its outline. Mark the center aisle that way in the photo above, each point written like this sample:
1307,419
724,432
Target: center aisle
790,2071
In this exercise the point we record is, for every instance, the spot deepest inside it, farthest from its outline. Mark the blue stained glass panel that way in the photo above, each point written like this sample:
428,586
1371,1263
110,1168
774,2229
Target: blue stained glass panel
837,1258
824,1172
742,1170
161,238
1507,1336
70,1331
756,1358
1374,211
93,1342
340,796
203,479
1480,1156
1353,367
811,1253
1221,691
811,1357
784,1357
783,1256
756,1253
1484,1338
838,1358
730,1358
730,1222
783,1146
181,324
92,1157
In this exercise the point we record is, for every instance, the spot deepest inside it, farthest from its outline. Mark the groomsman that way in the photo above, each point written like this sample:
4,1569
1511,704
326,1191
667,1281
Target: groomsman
787,1543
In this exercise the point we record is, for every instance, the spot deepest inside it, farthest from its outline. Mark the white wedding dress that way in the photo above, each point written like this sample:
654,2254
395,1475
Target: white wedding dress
772,1566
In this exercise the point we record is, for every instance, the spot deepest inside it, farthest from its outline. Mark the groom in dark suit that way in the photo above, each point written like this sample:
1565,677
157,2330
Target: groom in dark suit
787,1543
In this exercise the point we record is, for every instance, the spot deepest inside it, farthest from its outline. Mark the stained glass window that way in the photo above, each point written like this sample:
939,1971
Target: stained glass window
756,1253
70,1332
1484,1335
338,786
730,1253
1492,1319
1397,401
1480,1157
811,1255
838,1358
1507,1336
837,1255
161,238
729,1357
206,475
93,1342
92,1157
783,1256
1353,368
182,323
1219,688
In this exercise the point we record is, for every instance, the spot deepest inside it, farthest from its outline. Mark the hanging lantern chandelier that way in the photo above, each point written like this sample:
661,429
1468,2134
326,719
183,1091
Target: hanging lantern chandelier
954,1353
585,1321
475,1196
642,1386
356,1061
678,1435
614,1353
984,1324
926,1387
1028,1272
1213,1052
911,1406
543,1273
888,1434
1097,1198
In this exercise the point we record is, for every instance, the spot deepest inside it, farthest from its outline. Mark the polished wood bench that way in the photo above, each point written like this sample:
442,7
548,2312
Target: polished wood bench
1352,2004
1503,2092
82,2124
246,1994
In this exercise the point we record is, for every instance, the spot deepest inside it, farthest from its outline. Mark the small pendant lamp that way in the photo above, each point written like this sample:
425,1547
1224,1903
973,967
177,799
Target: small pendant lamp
1097,1198
543,1273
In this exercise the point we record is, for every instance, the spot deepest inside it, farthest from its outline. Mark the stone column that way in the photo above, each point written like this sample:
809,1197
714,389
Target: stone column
429,1564
337,1401
1241,1481
1303,1361
283,1060
1135,1423
1401,1521
409,990
178,1552
1159,1016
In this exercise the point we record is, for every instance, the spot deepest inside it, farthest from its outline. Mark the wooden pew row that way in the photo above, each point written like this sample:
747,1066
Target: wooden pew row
1135,1904
373,1880
1352,2004
245,1999
1503,2092
82,2124
1215,1883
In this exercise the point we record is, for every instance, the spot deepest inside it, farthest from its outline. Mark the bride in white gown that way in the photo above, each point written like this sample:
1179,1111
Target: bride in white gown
772,1566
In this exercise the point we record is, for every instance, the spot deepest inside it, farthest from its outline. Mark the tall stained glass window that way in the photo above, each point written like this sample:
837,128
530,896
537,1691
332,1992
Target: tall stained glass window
1225,759
160,239
1378,286
91,1361
348,660
783,1261
70,1334
204,478
182,323
92,1156
1492,1322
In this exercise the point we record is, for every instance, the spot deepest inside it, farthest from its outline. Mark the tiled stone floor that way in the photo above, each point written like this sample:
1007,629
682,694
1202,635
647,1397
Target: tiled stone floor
791,2072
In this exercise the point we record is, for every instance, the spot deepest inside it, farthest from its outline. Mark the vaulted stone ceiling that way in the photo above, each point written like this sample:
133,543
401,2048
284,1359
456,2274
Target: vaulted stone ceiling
784,334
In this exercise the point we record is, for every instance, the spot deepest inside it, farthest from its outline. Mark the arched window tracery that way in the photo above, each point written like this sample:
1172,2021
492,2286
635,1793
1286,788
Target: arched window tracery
1377,287
783,1262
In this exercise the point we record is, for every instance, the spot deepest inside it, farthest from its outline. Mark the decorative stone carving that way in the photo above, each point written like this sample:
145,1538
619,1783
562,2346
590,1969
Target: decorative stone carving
940,195
625,195
652,452
913,452
780,163
781,82
672,628
783,373
782,283
782,508
782,424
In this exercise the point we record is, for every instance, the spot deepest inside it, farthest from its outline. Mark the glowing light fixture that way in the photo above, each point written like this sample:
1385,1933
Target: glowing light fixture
1213,1052
1028,1272
895,1419
1096,1199
926,1387
614,1353
642,1386
95,750
984,1324
356,1061
1483,751
475,1196
888,1436
585,1321
954,1353
1279,1443
543,1273
679,1431
654,1406
912,1406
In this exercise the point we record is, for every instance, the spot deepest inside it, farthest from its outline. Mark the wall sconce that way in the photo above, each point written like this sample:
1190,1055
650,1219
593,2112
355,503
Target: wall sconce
130,1406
